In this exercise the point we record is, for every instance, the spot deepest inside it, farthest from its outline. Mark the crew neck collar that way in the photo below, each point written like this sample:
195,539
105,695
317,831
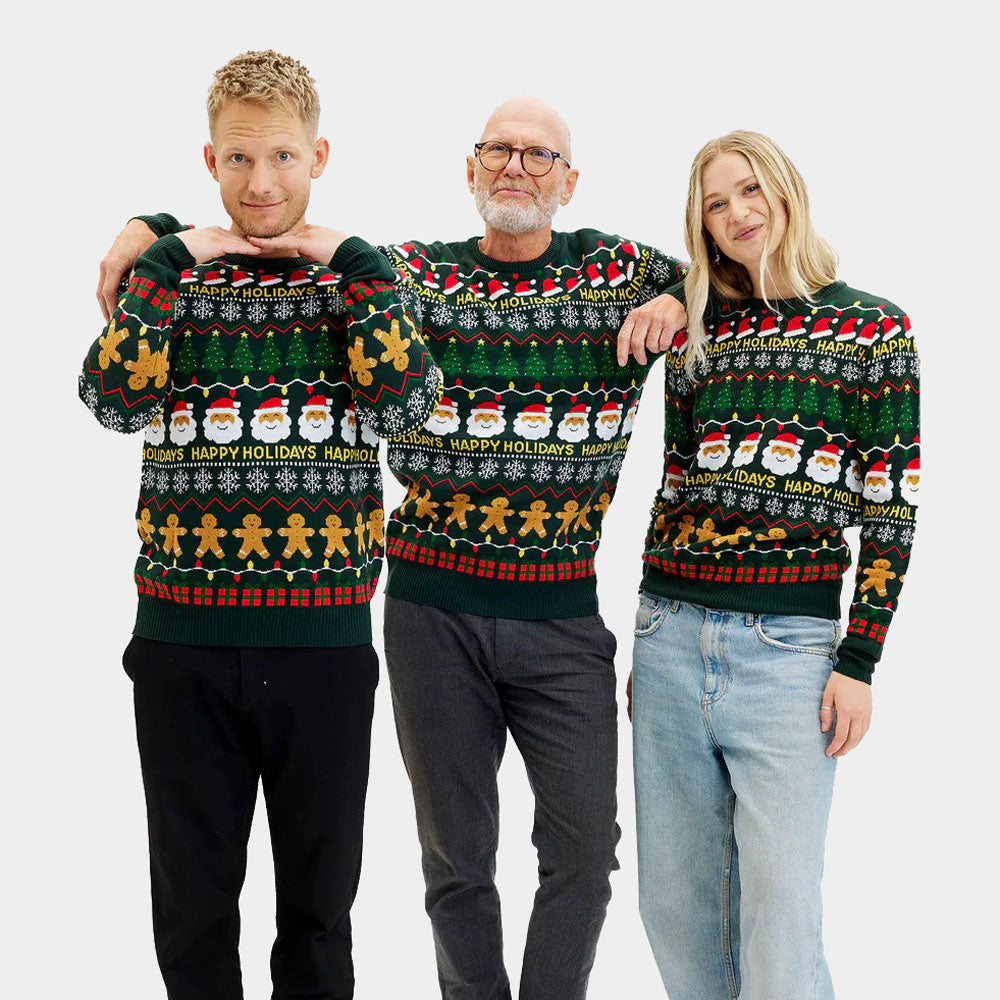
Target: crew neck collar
270,265
513,266
820,297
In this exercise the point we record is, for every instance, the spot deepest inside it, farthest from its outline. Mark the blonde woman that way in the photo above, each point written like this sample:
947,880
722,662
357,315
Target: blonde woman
791,414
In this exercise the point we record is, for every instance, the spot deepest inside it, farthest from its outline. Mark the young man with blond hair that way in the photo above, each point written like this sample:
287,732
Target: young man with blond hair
261,530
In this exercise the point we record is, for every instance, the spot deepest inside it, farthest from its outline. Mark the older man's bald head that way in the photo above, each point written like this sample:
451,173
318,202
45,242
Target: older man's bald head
529,121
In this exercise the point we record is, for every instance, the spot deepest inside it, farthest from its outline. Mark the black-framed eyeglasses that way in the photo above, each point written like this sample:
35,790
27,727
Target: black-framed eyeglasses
536,160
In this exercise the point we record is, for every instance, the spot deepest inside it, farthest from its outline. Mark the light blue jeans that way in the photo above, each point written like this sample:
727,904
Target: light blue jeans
732,791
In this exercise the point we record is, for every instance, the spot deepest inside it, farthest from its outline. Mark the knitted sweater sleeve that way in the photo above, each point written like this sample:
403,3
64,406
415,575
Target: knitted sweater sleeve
162,224
889,465
126,373
395,380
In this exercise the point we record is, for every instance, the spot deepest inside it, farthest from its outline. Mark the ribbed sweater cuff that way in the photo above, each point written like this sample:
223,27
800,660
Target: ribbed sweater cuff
161,224
357,260
854,663
170,252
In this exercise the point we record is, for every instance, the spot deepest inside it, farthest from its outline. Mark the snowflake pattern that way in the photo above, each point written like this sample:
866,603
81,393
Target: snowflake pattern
591,317
841,517
90,397
852,371
203,307
111,419
464,467
906,536
468,318
886,533
742,361
876,371
358,480
148,477
335,480
441,465
416,402
819,513
827,365
310,307
257,312
515,468
492,319
784,360
542,472
545,317
915,366
517,322
585,473
773,506
747,500
659,271
616,464
441,315
569,314
488,468
229,481
761,359
181,480
230,311
180,308
729,497
419,460
283,309
312,481
796,509
393,418
286,479
162,481
203,479
258,479
898,366
564,473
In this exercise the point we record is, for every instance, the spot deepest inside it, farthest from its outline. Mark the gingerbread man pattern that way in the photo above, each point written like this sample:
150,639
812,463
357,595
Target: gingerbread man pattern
252,535
297,536
334,535
209,535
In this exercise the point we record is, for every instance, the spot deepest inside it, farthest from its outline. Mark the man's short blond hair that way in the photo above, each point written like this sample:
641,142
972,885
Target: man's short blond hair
266,78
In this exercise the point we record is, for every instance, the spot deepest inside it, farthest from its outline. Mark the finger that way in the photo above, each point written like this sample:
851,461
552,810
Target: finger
825,716
653,335
852,740
624,335
638,339
100,296
840,736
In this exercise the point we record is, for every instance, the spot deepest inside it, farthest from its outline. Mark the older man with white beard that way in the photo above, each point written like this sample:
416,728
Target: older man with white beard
492,627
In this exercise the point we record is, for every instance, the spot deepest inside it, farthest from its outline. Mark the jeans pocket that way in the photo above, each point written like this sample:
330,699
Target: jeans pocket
649,614
798,633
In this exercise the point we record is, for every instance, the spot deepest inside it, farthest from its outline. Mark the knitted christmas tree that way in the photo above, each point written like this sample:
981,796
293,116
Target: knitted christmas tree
214,358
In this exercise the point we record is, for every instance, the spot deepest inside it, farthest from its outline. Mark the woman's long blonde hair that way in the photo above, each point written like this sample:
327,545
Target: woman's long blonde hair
807,261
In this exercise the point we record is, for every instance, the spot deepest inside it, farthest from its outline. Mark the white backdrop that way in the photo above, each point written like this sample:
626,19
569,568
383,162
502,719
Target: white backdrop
887,120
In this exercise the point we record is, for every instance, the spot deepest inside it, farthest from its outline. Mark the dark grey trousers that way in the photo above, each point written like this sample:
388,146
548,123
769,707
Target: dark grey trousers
459,683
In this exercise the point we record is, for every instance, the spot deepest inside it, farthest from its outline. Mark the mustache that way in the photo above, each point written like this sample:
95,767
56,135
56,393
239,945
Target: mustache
514,185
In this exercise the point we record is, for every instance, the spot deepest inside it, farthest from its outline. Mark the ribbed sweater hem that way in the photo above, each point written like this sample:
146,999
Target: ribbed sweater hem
820,599
168,621
473,595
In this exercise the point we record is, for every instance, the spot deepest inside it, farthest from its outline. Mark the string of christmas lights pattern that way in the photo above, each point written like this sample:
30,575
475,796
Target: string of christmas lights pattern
510,477
260,482
802,422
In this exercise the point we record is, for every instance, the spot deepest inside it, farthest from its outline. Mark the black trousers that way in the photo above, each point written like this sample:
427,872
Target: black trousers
211,722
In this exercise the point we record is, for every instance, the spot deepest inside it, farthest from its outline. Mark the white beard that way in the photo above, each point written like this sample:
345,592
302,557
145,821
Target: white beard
714,461
368,436
607,429
822,473
779,464
512,218
573,433
441,425
878,494
271,433
909,493
223,433
854,481
530,430
315,430
745,455
481,430
156,434
349,430
629,422
671,488
182,435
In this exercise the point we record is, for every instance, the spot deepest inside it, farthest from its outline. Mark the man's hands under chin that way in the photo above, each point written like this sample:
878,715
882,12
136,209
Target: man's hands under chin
207,244
315,242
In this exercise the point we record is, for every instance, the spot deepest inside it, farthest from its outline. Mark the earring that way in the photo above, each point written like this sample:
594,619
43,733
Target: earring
717,257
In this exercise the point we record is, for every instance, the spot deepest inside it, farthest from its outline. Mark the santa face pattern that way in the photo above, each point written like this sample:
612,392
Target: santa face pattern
315,422
182,428
486,423
271,425
714,452
823,466
443,420
156,430
747,450
533,424
782,456
222,426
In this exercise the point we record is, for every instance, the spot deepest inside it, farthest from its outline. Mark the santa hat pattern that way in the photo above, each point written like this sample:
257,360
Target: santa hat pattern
273,405
224,405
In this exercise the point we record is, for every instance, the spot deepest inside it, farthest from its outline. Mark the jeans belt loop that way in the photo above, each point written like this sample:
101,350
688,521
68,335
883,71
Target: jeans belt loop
749,619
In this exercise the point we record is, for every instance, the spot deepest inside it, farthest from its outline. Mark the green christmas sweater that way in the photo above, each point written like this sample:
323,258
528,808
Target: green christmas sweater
509,480
803,421
261,386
